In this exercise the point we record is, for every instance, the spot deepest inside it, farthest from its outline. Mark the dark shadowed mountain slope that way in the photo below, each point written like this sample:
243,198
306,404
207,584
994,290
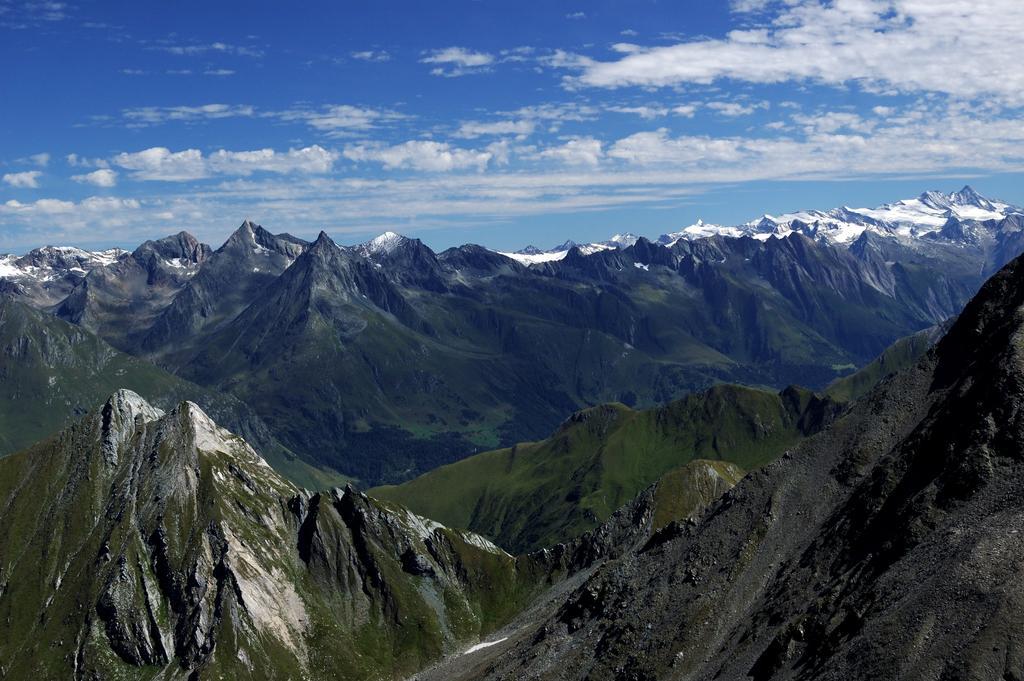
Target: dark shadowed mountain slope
233,276
538,494
53,372
387,360
120,298
887,547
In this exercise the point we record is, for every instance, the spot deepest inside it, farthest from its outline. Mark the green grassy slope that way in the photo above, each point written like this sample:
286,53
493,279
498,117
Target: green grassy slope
537,494
900,355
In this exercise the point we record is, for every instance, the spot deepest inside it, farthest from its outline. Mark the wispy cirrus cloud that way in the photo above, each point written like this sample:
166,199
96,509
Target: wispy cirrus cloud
205,49
521,127
155,115
25,14
333,120
425,155
340,120
371,55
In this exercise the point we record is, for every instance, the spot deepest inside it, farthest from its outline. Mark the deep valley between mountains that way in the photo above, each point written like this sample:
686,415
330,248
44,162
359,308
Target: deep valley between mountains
789,449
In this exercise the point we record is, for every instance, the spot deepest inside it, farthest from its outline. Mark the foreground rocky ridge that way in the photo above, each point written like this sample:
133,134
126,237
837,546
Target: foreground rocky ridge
145,545
140,544
888,547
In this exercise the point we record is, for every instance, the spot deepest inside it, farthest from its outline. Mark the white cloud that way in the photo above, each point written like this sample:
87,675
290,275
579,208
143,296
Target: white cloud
420,155
310,160
576,15
578,151
472,129
646,112
93,204
958,47
219,72
76,161
736,109
211,48
341,119
42,160
685,110
647,148
31,13
152,115
457,61
103,177
371,55
25,180
160,163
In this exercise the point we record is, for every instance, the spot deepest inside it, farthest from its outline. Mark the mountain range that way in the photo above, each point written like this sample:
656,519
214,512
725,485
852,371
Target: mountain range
385,360
887,546
964,215
884,542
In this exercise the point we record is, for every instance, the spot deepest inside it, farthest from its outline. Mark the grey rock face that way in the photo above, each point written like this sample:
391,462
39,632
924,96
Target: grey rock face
887,547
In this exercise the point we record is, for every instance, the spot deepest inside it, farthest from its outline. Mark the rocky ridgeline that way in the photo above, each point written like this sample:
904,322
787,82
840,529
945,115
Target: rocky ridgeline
169,549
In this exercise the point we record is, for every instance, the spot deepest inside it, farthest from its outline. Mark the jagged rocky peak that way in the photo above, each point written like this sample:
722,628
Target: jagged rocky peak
252,238
183,555
119,417
181,250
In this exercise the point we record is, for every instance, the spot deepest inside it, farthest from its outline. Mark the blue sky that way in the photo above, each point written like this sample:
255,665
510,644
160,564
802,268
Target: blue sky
501,123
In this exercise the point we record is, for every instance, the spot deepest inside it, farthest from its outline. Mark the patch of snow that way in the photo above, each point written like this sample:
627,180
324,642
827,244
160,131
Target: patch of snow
7,267
621,240
486,644
534,258
642,266
700,230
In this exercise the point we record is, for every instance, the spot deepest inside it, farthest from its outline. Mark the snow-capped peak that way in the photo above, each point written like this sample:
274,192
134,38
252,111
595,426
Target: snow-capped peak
54,262
934,214
700,230
621,240
382,244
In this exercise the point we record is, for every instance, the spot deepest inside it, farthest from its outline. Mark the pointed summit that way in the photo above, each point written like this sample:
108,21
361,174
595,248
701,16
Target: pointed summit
383,244
969,197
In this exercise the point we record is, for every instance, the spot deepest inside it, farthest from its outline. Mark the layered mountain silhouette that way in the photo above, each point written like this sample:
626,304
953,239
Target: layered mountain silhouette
385,360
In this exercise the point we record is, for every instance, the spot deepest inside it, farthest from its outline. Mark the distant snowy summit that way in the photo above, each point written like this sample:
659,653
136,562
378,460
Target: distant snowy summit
50,262
532,255
962,216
